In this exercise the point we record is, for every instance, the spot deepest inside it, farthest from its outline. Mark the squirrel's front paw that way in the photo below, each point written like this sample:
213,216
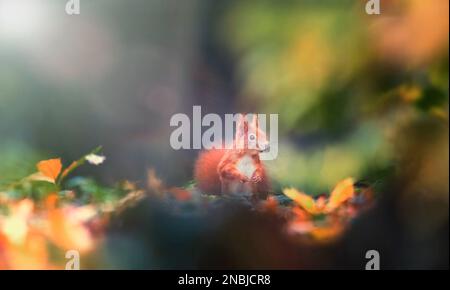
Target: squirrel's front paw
256,178
244,179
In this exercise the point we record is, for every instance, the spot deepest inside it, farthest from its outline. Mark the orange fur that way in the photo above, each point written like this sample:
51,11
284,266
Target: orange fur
205,171
219,170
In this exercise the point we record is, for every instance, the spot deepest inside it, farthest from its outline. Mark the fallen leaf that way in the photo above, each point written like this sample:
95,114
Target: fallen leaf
342,192
302,199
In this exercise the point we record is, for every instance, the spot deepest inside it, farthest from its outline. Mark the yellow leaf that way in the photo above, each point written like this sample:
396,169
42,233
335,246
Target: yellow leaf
302,199
50,168
342,192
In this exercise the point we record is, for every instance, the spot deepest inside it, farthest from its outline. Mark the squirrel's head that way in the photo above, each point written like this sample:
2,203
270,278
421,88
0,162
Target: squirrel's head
249,135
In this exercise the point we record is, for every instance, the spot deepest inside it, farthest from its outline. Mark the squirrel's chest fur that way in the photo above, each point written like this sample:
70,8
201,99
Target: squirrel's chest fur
208,177
246,165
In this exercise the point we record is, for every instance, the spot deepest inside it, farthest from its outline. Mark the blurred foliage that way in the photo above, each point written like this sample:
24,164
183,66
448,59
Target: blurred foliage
339,95
17,160
42,216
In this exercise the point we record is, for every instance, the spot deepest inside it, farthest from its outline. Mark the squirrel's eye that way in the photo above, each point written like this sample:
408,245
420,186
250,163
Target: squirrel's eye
252,137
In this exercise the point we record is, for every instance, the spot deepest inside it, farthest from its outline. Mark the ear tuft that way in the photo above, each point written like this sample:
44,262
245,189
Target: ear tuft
255,120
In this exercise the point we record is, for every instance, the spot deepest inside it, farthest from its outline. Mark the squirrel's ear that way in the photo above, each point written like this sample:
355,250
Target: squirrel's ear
255,120
241,126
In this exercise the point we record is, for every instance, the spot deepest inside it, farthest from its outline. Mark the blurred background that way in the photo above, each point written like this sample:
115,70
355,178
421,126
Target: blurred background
357,95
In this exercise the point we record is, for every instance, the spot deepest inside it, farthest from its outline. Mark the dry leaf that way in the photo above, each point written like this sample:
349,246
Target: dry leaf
343,191
302,199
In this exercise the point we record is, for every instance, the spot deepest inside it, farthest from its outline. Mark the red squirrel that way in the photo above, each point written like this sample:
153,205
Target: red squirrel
238,170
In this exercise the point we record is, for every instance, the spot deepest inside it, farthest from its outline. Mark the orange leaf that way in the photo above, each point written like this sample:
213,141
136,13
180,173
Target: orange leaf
342,192
50,168
303,200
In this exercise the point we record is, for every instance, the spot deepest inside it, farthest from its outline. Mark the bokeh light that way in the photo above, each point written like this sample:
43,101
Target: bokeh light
21,19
